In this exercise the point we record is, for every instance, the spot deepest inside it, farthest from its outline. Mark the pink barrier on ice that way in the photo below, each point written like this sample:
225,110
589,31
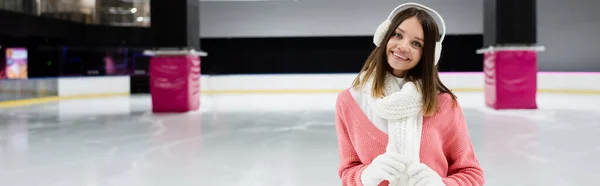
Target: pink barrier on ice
175,83
510,79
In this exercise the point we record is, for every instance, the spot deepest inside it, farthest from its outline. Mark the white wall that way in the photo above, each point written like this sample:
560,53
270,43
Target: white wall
570,35
322,17
569,30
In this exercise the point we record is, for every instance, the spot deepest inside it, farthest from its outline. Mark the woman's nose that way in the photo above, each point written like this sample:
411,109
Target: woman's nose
403,46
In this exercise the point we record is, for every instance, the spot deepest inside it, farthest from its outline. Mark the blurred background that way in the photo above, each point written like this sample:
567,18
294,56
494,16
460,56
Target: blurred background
74,71
107,37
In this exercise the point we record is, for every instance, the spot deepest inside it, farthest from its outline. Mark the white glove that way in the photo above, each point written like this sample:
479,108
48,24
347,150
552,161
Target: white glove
387,166
422,175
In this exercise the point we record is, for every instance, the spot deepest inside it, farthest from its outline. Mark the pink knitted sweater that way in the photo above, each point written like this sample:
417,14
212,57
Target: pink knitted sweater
445,143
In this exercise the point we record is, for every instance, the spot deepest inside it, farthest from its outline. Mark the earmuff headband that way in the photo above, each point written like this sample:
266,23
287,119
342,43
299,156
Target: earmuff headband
404,6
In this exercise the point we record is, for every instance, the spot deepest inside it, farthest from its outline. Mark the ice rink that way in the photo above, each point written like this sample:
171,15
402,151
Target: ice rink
271,140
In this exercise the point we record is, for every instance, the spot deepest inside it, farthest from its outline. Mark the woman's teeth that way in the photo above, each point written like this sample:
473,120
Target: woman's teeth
401,57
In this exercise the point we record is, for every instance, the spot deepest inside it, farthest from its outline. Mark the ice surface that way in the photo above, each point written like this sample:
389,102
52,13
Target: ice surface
268,140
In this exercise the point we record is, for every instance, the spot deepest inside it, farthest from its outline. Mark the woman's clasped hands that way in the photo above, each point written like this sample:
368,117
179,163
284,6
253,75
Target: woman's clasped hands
393,166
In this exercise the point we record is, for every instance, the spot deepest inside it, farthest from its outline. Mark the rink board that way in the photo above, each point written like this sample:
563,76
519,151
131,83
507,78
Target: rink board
109,86
548,82
103,85
41,90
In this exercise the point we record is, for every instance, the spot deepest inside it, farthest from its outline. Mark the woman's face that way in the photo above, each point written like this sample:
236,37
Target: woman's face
405,47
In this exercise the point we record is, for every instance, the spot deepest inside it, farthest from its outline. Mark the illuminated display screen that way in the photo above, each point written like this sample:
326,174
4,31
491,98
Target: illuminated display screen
16,63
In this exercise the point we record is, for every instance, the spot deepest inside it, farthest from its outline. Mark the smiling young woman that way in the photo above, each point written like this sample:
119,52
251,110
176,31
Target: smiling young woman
399,124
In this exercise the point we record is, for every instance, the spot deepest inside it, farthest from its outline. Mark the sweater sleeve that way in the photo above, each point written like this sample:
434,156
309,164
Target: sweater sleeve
464,168
350,167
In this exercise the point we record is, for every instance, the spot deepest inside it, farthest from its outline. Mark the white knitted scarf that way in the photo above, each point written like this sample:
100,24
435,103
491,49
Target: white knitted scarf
402,107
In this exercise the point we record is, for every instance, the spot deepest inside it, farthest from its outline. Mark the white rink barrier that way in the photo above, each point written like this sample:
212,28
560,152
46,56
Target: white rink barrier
87,86
548,82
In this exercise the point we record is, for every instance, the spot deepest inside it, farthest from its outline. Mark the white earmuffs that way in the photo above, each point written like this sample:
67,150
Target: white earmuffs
383,27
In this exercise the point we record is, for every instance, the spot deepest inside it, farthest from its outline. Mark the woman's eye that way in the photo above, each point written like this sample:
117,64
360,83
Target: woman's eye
417,44
396,35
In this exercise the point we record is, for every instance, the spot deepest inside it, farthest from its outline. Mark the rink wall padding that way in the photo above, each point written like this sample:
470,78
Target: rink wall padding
98,87
547,82
78,86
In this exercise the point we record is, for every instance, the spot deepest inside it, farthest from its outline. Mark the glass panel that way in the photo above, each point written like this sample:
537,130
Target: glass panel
67,10
12,5
26,89
105,12
99,61
123,12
